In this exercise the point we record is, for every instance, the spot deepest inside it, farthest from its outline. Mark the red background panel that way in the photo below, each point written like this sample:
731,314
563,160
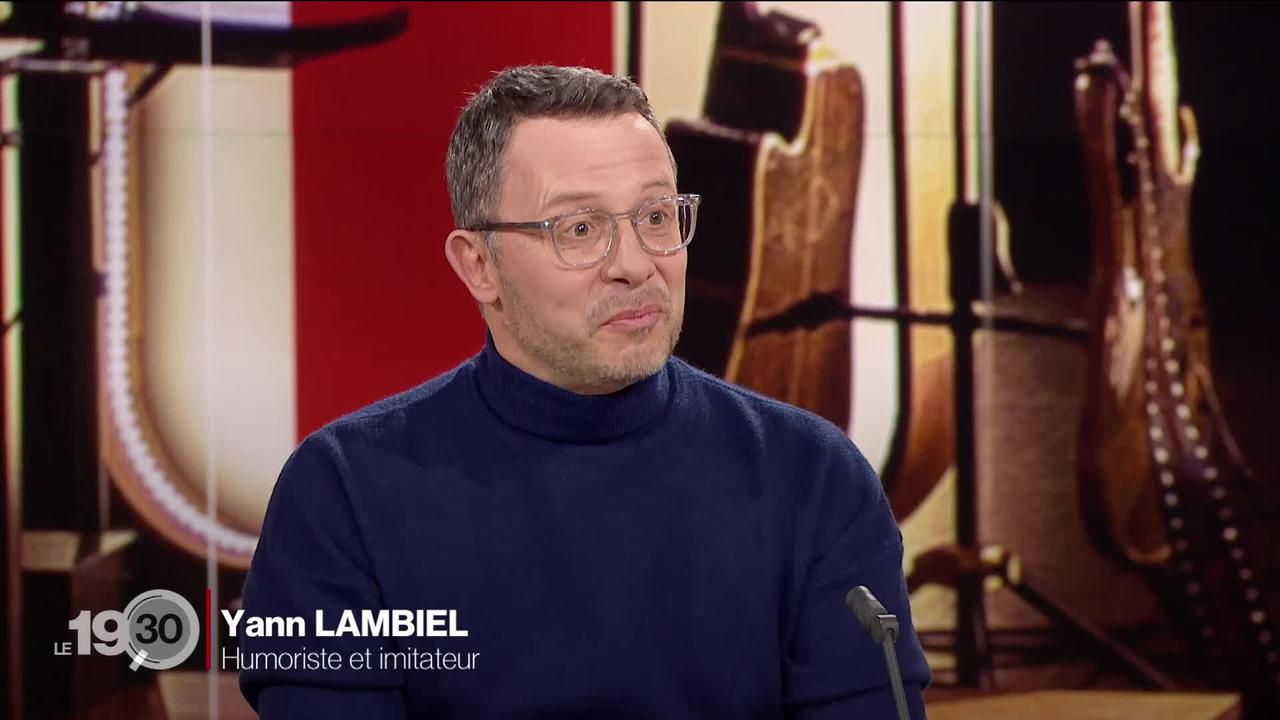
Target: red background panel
378,308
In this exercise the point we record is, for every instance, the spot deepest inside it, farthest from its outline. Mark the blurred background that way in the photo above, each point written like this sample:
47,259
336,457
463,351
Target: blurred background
1024,252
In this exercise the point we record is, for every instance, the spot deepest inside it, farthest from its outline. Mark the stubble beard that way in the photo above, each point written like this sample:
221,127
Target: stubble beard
578,359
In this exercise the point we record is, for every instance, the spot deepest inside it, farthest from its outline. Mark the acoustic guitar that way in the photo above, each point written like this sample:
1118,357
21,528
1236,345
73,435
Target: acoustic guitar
776,158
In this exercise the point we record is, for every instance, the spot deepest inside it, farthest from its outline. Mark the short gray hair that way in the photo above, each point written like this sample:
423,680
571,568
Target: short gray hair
473,165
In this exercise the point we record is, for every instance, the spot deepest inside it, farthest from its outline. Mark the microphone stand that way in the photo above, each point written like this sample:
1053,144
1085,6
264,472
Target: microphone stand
895,674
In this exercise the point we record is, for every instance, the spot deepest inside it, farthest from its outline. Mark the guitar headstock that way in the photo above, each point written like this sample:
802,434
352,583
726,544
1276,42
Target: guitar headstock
757,49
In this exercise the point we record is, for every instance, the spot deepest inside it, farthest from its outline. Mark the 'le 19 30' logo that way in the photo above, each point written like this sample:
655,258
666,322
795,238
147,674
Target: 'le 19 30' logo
158,629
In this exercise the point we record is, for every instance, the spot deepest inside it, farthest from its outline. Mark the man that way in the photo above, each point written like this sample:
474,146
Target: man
617,534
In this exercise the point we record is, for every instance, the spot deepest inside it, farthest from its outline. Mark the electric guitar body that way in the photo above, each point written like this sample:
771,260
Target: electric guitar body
1163,484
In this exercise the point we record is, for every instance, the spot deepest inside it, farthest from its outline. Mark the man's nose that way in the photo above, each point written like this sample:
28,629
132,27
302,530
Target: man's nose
628,262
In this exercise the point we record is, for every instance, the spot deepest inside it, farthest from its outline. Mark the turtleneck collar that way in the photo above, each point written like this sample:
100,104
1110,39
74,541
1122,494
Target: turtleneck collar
540,408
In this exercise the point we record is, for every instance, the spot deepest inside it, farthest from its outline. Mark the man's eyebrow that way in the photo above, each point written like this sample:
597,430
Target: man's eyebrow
570,197
589,197
661,183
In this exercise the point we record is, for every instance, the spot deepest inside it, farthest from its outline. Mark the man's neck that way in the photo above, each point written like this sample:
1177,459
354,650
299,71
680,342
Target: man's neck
542,408
514,353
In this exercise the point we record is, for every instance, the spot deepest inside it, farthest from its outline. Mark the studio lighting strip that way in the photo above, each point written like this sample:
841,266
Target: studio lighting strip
123,406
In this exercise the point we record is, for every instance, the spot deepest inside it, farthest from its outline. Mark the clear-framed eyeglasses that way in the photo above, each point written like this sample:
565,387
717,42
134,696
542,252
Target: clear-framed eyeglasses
584,238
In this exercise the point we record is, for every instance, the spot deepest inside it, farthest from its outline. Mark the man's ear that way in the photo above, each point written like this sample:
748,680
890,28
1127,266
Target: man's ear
475,266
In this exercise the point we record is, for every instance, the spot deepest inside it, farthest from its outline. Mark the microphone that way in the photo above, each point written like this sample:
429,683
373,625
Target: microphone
883,628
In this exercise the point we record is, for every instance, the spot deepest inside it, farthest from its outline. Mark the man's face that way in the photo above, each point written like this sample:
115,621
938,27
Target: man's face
598,329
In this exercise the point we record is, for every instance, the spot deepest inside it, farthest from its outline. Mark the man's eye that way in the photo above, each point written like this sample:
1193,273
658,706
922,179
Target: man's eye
581,229
657,217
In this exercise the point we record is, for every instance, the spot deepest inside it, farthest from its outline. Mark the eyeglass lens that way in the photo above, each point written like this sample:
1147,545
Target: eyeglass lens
664,226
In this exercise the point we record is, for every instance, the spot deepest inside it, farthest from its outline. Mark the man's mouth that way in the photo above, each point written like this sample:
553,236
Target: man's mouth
638,318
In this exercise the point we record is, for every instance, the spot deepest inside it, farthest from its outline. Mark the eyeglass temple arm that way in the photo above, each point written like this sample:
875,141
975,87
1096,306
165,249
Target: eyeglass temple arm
534,225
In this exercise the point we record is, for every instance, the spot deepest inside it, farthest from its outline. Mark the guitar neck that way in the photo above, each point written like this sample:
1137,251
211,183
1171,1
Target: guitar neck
1155,75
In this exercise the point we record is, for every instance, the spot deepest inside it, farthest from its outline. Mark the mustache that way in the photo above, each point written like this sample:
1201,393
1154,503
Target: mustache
608,307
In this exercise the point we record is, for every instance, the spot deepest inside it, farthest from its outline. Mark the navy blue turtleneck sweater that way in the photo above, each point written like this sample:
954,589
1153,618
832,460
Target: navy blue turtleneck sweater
678,549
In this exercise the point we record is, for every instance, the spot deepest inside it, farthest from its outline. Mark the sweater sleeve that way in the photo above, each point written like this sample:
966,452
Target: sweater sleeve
311,556
832,667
